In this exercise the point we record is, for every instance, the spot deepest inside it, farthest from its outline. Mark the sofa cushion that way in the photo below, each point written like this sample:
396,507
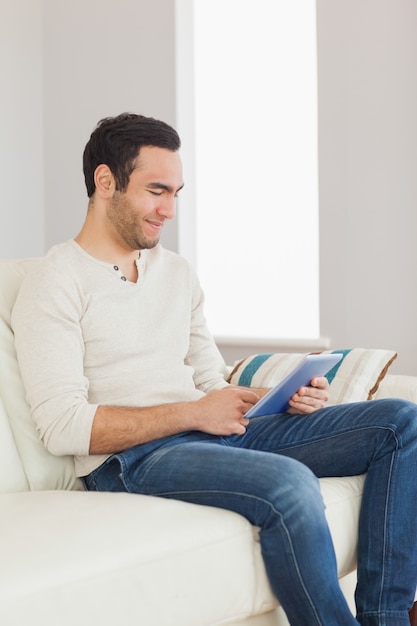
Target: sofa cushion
12,475
356,377
42,470
398,386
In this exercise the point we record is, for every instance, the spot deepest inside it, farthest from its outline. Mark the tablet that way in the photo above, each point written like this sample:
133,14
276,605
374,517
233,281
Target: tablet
276,400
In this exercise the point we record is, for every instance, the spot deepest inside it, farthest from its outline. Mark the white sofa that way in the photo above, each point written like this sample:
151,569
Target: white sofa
72,557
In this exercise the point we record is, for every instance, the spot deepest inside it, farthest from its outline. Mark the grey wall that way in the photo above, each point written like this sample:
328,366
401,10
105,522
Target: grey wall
368,174
66,65
100,58
21,129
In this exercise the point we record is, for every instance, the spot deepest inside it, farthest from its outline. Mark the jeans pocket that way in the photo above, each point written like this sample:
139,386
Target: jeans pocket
107,477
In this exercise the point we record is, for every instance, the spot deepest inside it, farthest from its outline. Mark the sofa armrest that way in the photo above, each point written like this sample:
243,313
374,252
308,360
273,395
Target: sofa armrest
398,386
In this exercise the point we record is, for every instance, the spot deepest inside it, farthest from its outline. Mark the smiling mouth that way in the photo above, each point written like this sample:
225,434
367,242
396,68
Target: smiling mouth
156,225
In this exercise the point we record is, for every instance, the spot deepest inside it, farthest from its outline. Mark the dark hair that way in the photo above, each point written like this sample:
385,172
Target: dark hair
116,142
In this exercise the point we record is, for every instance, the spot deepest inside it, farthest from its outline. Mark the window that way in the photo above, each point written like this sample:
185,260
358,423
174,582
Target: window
253,113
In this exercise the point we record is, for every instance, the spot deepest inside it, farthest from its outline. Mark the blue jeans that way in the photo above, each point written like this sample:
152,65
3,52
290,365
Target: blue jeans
269,475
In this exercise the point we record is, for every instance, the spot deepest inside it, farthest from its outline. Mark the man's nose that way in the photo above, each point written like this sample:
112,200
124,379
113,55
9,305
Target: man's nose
168,207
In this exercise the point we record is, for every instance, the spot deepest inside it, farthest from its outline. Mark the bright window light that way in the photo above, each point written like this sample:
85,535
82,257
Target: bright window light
256,172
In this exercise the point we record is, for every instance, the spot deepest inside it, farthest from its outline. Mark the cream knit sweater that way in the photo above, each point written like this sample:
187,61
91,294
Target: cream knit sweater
85,336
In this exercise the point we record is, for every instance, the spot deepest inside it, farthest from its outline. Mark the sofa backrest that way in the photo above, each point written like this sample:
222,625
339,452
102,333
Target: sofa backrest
24,462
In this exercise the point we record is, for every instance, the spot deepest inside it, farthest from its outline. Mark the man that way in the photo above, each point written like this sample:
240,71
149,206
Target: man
121,372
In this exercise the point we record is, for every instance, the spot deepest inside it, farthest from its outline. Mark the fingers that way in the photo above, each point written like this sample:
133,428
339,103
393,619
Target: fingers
320,382
248,395
247,399
312,398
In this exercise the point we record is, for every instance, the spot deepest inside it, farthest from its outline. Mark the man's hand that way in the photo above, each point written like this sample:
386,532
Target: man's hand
311,398
222,412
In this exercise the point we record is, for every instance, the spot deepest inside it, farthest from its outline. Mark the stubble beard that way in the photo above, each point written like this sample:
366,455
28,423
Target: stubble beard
125,222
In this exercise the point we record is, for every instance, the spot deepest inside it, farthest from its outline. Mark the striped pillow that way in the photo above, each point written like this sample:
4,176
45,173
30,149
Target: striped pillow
356,377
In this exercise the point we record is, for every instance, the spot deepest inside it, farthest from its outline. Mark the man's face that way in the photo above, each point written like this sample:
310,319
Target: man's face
139,213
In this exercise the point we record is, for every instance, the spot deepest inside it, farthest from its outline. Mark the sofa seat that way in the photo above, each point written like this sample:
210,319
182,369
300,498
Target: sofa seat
105,558
100,558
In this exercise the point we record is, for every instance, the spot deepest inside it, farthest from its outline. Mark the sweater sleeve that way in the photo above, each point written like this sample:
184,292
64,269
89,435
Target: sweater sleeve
203,354
50,352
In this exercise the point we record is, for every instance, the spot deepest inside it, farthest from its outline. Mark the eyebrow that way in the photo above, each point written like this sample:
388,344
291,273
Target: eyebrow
167,188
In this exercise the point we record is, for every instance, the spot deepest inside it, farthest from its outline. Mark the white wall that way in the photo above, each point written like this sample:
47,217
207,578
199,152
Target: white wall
66,65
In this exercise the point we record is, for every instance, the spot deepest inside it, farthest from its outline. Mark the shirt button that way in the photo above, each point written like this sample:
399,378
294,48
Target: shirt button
123,277
116,267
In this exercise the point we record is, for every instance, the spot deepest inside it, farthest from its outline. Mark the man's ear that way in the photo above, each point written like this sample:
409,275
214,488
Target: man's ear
104,181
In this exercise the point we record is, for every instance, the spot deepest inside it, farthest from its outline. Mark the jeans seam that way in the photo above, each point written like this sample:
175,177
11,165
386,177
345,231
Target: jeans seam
386,524
347,431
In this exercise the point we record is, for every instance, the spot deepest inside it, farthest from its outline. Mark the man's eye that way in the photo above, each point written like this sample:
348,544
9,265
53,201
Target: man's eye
155,193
